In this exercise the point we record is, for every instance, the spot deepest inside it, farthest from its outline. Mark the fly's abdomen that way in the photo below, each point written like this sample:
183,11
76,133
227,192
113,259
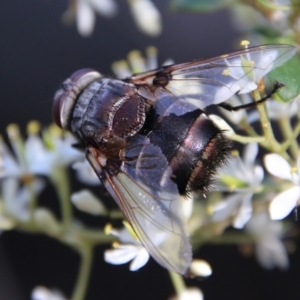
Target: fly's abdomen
194,147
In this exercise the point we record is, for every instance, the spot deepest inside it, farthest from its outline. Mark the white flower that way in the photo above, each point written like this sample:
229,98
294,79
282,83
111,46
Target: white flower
34,157
86,13
16,199
85,201
200,268
131,249
243,177
144,12
60,150
85,173
247,70
42,293
136,63
29,156
286,201
270,252
277,109
146,16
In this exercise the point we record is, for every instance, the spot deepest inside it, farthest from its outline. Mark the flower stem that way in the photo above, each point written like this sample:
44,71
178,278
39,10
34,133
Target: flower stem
234,238
32,203
296,132
287,132
248,139
84,272
178,282
270,142
60,180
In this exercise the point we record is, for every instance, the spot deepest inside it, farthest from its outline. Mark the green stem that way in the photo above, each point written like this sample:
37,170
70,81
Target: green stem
265,122
95,236
206,235
287,132
270,141
178,282
32,203
60,180
84,273
248,139
116,214
295,134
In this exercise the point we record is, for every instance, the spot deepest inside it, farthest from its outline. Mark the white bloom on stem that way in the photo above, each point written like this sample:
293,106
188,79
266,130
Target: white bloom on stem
136,63
200,268
269,249
30,158
147,17
43,293
247,70
16,199
85,173
130,249
145,14
86,13
278,110
85,201
286,201
34,156
244,178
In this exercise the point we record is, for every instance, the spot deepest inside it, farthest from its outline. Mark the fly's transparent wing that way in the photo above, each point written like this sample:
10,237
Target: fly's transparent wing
214,80
150,201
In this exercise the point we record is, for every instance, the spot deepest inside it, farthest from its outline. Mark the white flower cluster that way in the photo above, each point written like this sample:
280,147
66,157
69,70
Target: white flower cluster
144,13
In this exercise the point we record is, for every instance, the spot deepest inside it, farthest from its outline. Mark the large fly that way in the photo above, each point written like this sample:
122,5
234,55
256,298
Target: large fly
149,141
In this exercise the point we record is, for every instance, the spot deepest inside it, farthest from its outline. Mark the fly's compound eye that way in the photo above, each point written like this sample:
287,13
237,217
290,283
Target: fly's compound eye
66,97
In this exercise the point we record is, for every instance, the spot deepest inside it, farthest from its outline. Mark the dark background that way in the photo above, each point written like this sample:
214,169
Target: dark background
36,54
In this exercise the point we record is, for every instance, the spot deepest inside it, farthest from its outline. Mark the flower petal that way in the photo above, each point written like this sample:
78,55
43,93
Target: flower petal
278,166
244,213
85,173
226,208
42,293
37,157
146,16
271,253
121,255
85,201
200,268
140,260
284,203
8,164
85,18
106,8
250,154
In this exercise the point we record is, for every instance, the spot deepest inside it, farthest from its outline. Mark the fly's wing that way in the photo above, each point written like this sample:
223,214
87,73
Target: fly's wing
214,80
143,189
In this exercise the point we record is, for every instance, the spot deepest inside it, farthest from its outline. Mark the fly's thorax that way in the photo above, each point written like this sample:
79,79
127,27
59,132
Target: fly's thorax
108,111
